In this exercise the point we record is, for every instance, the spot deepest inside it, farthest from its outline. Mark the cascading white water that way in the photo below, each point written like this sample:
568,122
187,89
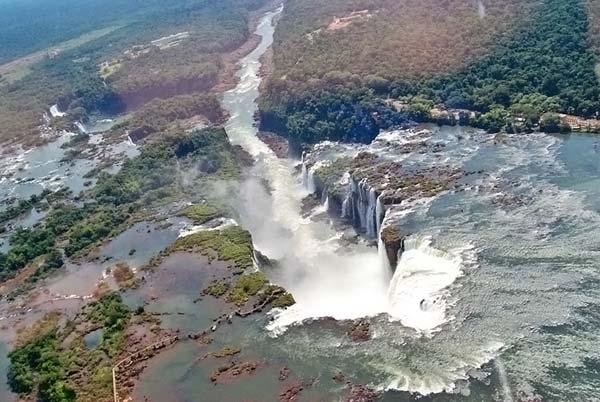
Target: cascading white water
371,216
503,381
363,208
379,213
383,257
416,295
81,127
326,203
55,112
325,280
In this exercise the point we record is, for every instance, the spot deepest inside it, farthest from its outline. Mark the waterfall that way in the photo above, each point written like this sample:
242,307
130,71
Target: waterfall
308,178
81,127
416,292
311,182
363,201
503,380
379,213
371,217
346,206
55,112
386,266
363,207
326,203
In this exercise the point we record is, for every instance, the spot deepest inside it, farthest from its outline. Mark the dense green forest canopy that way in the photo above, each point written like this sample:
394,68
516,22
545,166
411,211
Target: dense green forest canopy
138,70
54,365
512,62
30,25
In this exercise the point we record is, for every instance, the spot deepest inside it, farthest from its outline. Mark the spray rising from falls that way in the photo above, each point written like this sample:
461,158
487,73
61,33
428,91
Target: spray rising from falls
325,280
416,293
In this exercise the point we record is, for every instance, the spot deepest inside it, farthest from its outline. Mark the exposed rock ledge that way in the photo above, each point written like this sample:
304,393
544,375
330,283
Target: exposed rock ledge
394,243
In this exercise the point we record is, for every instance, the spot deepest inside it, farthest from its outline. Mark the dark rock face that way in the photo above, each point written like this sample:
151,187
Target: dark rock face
291,393
361,393
141,133
278,144
394,243
360,331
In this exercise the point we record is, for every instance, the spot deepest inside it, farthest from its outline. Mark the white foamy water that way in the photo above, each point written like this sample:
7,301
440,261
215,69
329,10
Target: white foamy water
55,112
325,280
416,294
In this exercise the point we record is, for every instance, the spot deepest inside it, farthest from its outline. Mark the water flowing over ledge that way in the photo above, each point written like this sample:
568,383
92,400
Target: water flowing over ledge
326,279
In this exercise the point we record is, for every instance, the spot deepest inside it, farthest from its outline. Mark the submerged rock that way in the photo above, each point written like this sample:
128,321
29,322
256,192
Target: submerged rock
362,393
291,392
360,331
233,370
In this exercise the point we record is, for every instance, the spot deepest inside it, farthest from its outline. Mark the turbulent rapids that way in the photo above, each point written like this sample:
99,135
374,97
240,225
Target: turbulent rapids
492,270
325,280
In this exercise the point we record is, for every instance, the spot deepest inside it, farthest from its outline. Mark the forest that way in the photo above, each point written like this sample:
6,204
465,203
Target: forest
73,78
148,179
162,114
52,22
44,366
517,70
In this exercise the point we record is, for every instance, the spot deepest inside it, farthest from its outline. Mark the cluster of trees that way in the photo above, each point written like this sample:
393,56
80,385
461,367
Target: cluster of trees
532,64
546,65
73,78
158,114
28,244
398,39
112,315
331,111
22,206
151,176
40,364
45,366
97,226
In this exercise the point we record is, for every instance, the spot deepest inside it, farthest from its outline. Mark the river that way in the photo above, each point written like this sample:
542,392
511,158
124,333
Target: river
495,297
515,284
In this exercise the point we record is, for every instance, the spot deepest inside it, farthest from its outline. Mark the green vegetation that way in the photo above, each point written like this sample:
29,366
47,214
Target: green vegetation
283,301
327,110
97,226
329,175
57,369
77,140
217,288
40,364
155,172
28,244
547,65
110,314
22,206
139,70
393,40
232,244
510,62
201,213
160,114
247,285
149,179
